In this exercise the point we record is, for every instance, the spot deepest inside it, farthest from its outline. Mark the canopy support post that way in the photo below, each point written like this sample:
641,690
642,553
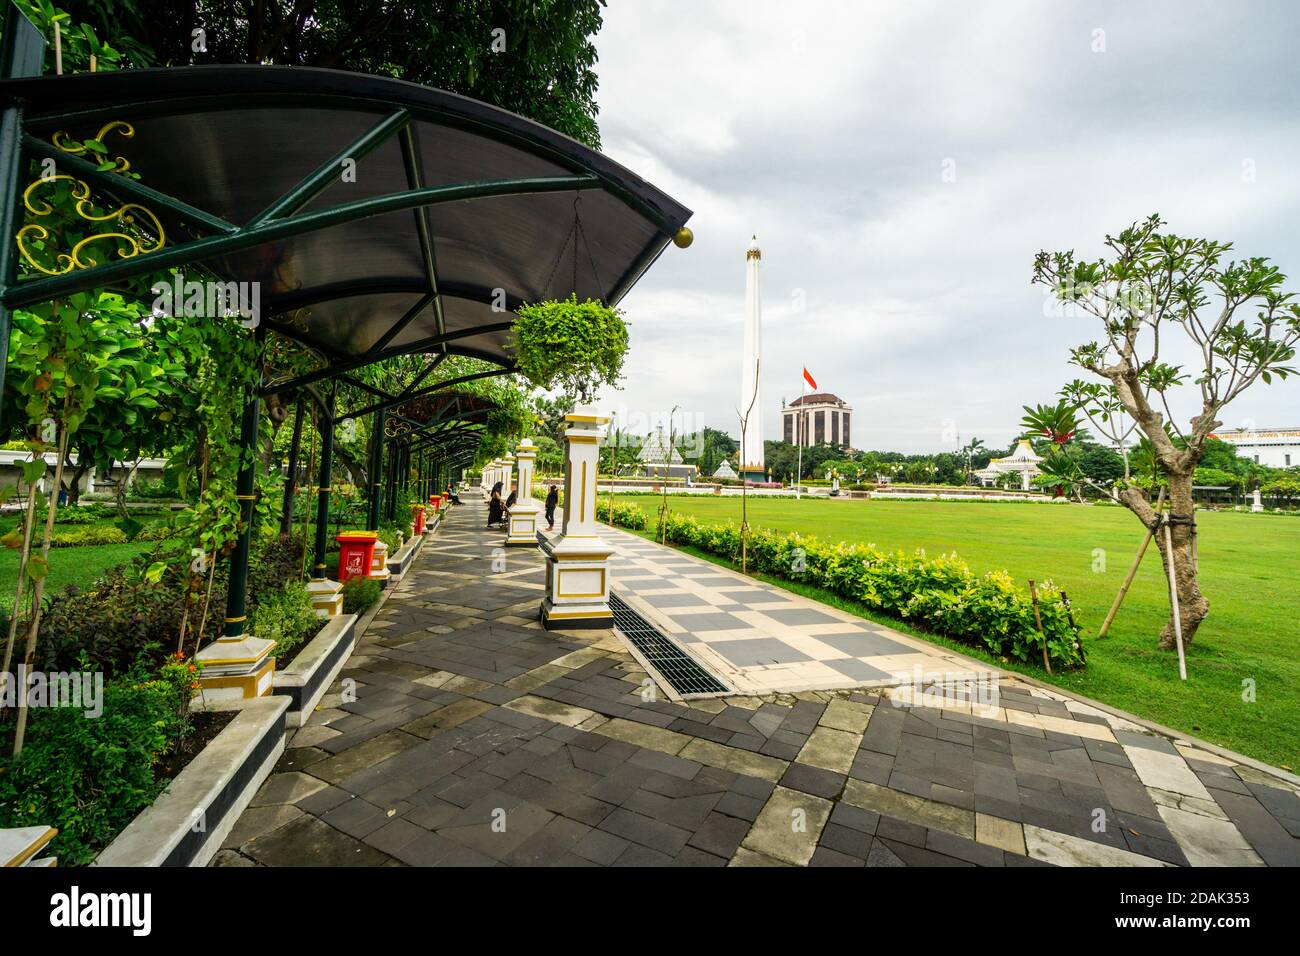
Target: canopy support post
237,665
326,595
291,480
376,469
23,55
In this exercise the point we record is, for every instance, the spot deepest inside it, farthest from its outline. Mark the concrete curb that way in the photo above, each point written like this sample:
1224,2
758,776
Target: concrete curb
187,824
306,680
401,561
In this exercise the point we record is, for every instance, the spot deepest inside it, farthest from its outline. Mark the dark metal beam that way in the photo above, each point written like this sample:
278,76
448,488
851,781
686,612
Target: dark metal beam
414,166
403,322
118,184
329,172
450,383
54,287
363,360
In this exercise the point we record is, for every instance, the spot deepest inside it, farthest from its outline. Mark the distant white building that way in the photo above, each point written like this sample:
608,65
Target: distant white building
11,462
1274,447
817,418
1023,460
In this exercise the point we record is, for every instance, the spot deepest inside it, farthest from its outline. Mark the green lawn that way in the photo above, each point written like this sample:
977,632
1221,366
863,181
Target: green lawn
1250,566
80,566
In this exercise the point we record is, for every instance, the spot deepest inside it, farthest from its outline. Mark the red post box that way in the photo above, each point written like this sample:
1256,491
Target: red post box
356,551
418,518
437,502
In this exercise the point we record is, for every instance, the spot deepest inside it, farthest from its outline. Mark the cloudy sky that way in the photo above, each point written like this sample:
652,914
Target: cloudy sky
826,129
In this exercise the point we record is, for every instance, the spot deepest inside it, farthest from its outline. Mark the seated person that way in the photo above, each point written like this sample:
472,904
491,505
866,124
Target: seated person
496,513
452,496
510,501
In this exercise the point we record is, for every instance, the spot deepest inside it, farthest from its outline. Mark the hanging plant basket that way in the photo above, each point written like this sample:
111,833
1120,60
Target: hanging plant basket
572,346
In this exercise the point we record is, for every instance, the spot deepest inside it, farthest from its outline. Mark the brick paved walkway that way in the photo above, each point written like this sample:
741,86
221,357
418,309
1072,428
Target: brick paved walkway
474,737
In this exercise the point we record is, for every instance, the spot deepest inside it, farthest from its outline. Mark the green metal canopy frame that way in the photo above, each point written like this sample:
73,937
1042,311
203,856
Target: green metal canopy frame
377,218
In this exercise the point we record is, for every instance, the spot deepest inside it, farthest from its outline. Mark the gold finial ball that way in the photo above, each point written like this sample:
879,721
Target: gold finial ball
683,238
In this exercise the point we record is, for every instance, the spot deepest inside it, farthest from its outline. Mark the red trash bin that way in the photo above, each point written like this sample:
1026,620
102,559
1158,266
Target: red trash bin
418,518
356,550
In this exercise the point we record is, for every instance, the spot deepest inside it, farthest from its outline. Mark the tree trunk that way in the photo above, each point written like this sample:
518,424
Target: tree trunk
1192,604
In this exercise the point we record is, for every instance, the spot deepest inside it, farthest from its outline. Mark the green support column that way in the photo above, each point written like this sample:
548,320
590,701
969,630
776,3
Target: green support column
238,665
326,595
390,479
23,55
319,568
245,491
376,470
291,480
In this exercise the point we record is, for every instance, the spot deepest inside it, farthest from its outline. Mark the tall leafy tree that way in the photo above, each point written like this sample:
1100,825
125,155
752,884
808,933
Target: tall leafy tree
534,57
1151,289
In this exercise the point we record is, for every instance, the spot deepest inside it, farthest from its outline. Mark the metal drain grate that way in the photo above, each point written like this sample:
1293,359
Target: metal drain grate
679,669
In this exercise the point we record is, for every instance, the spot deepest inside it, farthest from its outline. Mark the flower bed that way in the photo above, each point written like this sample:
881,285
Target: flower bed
939,594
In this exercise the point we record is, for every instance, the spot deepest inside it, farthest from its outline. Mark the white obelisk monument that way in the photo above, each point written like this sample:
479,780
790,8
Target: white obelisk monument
751,389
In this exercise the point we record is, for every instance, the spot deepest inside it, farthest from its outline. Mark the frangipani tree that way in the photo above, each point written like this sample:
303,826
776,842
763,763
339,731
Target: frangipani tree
1154,288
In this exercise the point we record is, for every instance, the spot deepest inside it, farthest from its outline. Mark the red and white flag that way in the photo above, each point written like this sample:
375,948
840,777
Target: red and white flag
809,379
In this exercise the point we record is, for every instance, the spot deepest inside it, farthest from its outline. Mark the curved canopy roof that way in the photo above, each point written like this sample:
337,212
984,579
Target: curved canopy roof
379,217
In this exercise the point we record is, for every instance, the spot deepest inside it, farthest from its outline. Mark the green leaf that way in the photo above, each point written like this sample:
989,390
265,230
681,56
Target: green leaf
37,567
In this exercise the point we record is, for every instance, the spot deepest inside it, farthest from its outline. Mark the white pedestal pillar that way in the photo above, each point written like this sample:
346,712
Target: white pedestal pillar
507,475
523,516
1256,503
577,560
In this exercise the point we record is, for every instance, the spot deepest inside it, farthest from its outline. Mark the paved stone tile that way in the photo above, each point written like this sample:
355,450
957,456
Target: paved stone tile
910,808
1007,835
257,821
1061,849
846,840
601,846
737,761
830,749
720,834
1208,841
814,780
788,826
847,715
648,832
287,788
309,842
824,856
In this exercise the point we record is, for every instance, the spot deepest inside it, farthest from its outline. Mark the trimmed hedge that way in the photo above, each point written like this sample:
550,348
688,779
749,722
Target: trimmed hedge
621,513
938,594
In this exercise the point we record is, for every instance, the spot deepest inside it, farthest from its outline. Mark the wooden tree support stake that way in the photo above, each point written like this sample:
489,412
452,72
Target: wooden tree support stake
1173,599
1132,571
1038,619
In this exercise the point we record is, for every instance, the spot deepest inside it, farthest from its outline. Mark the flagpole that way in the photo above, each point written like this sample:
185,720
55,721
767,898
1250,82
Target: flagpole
798,440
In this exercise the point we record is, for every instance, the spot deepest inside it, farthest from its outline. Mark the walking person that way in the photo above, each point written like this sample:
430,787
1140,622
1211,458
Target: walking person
552,499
